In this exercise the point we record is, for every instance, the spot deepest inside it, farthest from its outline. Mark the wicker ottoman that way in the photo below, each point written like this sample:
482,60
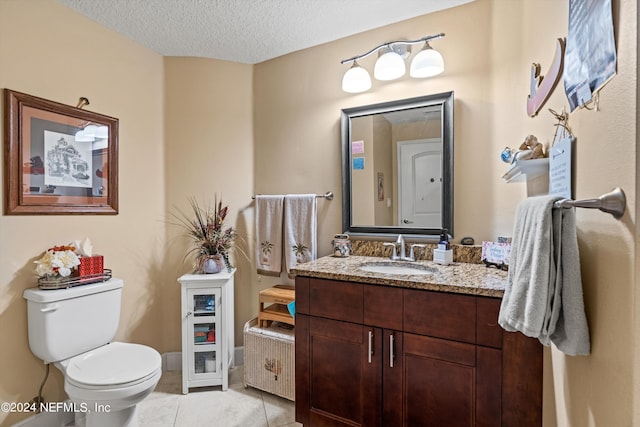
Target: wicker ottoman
269,358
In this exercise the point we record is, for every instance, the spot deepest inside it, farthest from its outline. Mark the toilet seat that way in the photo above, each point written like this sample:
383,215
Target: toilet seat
115,365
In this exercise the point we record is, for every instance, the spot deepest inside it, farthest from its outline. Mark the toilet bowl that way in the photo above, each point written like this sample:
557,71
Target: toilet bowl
73,328
107,383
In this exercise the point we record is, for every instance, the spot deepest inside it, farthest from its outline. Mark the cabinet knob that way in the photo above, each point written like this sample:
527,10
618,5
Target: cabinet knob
189,313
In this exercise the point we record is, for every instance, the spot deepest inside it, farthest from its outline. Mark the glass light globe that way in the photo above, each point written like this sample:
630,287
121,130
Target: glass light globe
389,66
356,79
427,63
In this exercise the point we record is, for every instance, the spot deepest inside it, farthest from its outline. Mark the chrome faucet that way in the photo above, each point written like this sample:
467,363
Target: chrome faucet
394,254
411,252
400,242
402,257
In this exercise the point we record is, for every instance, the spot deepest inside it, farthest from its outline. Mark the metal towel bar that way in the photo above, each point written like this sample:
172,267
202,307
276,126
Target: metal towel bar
613,202
328,195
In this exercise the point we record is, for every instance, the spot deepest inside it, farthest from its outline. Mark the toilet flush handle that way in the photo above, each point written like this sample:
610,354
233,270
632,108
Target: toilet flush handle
49,308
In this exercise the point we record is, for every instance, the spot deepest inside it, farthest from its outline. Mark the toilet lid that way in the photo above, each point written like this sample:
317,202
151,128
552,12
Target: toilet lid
112,364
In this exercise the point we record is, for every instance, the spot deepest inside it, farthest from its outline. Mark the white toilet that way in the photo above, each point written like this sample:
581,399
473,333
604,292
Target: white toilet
73,328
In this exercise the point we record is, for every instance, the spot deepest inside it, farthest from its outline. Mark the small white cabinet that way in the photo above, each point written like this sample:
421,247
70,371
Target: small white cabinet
207,329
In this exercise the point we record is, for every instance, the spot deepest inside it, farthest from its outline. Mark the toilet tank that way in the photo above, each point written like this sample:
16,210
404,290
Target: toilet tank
63,323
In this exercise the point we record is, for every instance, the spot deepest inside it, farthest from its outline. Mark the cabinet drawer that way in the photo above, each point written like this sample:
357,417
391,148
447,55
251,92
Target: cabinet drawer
441,315
336,300
383,307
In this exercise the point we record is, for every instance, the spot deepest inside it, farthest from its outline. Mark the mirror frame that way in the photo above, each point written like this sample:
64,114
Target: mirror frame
445,100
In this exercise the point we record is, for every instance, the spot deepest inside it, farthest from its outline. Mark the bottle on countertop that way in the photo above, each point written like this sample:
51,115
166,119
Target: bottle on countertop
443,244
443,255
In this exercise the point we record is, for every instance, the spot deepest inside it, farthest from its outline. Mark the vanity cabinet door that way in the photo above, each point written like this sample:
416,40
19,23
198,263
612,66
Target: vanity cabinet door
392,378
342,373
448,383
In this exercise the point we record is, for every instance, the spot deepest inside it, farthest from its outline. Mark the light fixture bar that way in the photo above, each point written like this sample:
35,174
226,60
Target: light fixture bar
389,44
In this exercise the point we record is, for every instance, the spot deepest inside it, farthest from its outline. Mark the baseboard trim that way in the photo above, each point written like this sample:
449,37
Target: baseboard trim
172,361
48,419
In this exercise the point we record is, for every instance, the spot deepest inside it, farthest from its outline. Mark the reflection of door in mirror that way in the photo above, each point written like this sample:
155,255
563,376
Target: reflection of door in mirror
420,183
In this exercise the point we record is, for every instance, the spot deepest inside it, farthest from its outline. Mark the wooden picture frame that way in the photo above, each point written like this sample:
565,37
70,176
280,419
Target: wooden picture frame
58,159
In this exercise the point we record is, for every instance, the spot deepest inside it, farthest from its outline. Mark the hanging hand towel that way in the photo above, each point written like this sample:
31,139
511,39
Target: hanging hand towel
300,229
543,296
269,214
571,331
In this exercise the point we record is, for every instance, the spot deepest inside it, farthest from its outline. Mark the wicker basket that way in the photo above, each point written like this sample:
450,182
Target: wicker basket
269,358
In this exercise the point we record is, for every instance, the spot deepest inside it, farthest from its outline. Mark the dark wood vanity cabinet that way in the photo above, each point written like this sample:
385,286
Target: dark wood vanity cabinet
370,355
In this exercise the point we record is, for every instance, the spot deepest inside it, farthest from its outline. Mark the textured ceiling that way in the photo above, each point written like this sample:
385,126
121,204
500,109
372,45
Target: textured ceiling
248,31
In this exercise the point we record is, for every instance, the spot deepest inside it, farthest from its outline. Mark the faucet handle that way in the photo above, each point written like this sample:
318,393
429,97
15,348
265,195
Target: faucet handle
394,255
415,245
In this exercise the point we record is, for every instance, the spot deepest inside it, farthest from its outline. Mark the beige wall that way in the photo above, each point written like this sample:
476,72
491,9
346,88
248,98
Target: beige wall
203,147
362,179
47,51
488,50
209,152
383,156
198,127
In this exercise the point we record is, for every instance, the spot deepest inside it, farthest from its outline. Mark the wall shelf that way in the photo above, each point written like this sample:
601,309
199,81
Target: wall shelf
524,170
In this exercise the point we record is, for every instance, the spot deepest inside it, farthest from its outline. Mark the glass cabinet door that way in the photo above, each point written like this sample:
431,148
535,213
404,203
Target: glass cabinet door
204,323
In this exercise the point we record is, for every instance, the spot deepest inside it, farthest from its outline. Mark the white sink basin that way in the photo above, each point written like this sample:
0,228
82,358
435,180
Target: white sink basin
399,268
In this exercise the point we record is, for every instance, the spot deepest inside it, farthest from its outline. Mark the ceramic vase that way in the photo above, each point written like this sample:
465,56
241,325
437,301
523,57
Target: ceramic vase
212,264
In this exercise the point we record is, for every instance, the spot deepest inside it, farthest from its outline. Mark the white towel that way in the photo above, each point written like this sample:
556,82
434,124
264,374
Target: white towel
300,229
543,296
571,332
269,215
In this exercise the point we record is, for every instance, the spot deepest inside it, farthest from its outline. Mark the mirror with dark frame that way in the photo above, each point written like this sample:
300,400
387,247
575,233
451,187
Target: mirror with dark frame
397,167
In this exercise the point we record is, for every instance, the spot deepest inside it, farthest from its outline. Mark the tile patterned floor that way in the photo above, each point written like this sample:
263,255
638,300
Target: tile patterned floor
210,406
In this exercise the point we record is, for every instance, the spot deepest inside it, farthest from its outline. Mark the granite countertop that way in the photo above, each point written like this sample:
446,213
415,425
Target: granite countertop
462,278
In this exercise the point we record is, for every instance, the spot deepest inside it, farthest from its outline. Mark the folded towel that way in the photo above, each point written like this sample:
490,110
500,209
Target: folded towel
300,229
269,214
543,296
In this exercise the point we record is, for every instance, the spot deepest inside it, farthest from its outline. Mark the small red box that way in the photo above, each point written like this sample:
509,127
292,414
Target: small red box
90,265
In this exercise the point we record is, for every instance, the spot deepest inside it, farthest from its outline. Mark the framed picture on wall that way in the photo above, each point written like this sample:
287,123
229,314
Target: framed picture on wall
59,159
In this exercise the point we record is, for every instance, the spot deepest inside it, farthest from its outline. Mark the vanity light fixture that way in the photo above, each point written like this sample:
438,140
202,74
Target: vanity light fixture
390,64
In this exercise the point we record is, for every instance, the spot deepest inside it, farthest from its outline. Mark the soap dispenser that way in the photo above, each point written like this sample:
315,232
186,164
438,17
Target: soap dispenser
443,255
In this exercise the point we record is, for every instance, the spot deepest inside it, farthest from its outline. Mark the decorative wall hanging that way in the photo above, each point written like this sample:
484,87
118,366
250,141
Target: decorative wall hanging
541,87
59,159
561,158
591,50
